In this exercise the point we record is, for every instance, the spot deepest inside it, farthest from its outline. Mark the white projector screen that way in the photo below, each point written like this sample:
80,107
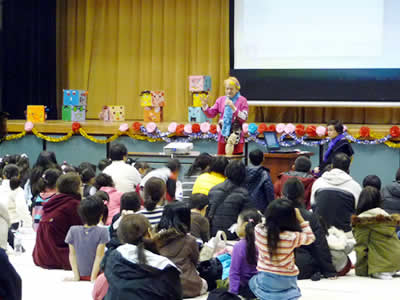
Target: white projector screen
316,34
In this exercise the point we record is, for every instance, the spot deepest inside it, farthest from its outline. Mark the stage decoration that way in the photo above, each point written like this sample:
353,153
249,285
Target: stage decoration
252,128
395,131
311,131
291,135
195,128
180,129
52,139
99,141
320,131
151,127
262,128
124,127
76,126
213,129
28,126
188,128
300,130
172,127
289,128
136,126
14,136
364,132
245,128
280,128
205,127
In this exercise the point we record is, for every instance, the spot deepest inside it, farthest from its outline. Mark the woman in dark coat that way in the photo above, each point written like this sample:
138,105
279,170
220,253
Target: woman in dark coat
59,214
338,144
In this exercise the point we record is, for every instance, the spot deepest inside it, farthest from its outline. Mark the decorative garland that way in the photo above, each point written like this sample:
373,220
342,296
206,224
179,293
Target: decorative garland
298,134
15,136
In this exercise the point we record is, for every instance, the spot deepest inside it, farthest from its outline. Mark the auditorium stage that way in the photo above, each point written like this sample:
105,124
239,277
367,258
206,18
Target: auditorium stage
98,127
379,159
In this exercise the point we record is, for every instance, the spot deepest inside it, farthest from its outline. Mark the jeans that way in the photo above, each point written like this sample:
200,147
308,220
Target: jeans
269,286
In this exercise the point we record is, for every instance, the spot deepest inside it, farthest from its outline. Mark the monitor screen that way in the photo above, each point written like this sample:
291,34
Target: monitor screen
271,140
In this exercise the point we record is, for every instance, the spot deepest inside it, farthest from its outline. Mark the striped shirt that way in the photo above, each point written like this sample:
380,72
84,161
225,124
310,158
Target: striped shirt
187,186
283,262
153,216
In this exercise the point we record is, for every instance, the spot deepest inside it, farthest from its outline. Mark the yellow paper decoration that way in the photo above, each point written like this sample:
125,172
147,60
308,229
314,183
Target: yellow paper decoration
15,136
99,141
52,139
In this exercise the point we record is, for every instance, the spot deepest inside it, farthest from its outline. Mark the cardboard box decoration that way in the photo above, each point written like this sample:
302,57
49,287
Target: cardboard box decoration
157,98
73,113
75,97
113,113
197,97
196,115
145,98
199,83
153,114
36,113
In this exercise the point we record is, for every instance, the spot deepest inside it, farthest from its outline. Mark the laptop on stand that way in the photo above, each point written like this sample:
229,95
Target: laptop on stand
272,143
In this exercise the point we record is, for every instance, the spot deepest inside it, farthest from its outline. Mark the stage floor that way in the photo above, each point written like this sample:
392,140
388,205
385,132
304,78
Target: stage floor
109,128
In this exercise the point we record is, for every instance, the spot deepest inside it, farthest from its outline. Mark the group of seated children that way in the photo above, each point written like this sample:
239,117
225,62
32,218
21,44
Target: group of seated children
136,236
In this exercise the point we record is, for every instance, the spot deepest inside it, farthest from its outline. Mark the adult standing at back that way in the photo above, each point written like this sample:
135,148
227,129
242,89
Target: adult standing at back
125,176
338,144
233,111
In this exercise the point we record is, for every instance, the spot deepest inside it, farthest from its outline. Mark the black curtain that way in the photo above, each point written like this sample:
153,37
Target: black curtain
29,56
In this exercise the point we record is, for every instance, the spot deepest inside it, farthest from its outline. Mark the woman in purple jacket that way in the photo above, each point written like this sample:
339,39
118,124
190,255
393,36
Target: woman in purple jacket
233,110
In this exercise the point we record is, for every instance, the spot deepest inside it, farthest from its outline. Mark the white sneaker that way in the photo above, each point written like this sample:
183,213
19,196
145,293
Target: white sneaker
383,275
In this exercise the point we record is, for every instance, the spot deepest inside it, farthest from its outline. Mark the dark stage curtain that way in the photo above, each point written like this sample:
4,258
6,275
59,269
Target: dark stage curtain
29,56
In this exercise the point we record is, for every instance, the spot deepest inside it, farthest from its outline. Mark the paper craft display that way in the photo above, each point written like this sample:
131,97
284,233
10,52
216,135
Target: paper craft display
196,115
113,113
145,98
197,97
153,114
73,113
157,98
75,97
35,113
199,83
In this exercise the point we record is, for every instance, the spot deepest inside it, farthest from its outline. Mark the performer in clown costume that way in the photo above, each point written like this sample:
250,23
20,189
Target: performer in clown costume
233,110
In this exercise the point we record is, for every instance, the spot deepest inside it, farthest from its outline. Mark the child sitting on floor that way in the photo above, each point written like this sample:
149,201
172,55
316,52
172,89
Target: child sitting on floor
378,246
244,255
135,270
130,204
284,230
175,242
154,198
49,180
87,242
199,225
105,183
88,177
12,196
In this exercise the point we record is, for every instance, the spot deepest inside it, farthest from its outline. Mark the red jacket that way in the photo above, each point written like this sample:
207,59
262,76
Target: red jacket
306,178
59,214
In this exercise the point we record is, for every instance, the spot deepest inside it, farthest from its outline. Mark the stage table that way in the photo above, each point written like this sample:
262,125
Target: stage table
192,155
281,162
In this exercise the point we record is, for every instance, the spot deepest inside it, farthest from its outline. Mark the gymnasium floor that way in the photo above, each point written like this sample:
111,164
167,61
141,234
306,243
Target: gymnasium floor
49,284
